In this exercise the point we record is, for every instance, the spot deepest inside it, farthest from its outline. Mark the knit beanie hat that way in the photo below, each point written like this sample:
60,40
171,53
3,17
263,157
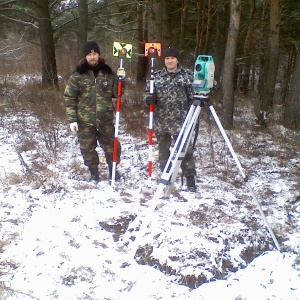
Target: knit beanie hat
89,47
171,52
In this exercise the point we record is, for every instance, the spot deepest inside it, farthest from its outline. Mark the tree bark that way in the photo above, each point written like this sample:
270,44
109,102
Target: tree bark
244,84
262,49
288,72
269,72
199,27
142,36
154,21
229,63
184,12
218,41
208,26
292,103
167,24
82,26
49,69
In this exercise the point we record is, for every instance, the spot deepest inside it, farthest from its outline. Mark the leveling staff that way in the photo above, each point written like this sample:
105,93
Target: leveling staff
172,98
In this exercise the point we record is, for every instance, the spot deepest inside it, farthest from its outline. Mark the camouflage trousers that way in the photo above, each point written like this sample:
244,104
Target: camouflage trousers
164,144
88,136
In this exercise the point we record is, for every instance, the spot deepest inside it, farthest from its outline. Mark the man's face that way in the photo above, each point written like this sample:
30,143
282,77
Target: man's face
92,58
171,63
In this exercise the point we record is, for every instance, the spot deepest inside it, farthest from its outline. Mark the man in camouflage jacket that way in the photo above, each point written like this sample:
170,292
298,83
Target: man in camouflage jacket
90,110
173,96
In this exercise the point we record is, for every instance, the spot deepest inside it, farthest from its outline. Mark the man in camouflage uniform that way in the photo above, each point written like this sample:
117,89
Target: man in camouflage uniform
90,111
173,96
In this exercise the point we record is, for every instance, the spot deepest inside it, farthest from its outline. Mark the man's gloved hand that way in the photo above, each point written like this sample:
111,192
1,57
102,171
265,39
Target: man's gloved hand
74,127
121,73
151,99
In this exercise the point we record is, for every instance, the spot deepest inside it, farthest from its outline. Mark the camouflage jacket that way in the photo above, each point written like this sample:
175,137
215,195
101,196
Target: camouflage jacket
88,99
174,95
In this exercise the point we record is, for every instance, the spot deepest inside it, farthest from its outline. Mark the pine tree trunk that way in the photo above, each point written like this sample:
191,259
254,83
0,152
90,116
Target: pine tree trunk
229,63
218,41
82,26
155,21
262,49
208,26
244,86
167,26
292,103
184,12
199,27
142,36
270,66
49,69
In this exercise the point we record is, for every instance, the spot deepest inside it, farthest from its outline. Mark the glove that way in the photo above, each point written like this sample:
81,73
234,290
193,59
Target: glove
121,73
151,99
74,127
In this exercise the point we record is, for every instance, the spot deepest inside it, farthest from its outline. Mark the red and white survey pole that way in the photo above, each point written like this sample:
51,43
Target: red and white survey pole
151,50
123,51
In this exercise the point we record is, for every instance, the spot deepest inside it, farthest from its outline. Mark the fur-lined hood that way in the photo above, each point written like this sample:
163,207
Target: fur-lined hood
103,67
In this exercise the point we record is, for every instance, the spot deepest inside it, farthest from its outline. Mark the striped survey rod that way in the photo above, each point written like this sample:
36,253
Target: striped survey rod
122,50
151,50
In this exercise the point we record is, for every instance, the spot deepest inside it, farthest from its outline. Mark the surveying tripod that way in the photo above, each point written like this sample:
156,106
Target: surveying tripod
179,150
203,82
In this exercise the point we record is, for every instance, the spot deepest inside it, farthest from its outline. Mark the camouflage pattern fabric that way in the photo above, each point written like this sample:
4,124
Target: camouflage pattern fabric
174,96
164,144
88,137
88,101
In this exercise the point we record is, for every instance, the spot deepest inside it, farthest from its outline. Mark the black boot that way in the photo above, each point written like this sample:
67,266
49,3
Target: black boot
190,182
117,174
94,174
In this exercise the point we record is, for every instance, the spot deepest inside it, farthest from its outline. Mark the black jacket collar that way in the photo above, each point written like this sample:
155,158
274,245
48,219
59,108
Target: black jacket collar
103,67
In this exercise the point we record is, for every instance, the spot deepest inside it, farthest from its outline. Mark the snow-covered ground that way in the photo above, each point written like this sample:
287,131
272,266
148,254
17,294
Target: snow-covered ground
63,237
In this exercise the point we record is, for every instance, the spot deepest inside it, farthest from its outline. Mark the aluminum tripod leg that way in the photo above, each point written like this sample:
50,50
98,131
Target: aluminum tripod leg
179,150
170,172
213,112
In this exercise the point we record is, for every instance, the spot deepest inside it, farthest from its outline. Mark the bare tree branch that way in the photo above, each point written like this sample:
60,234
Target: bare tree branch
63,11
23,12
57,27
8,2
54,3
19,21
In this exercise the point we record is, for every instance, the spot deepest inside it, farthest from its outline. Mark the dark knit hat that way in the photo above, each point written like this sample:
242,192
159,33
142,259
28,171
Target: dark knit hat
89,47
171,52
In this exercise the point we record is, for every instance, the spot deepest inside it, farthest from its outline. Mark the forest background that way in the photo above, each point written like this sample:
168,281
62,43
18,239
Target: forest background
254,44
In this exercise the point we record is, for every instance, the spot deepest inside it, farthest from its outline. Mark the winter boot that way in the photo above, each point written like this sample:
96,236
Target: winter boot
117,174
190,182
94,174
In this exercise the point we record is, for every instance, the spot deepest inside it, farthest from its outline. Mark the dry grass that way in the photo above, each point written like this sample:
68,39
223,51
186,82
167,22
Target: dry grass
134,111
